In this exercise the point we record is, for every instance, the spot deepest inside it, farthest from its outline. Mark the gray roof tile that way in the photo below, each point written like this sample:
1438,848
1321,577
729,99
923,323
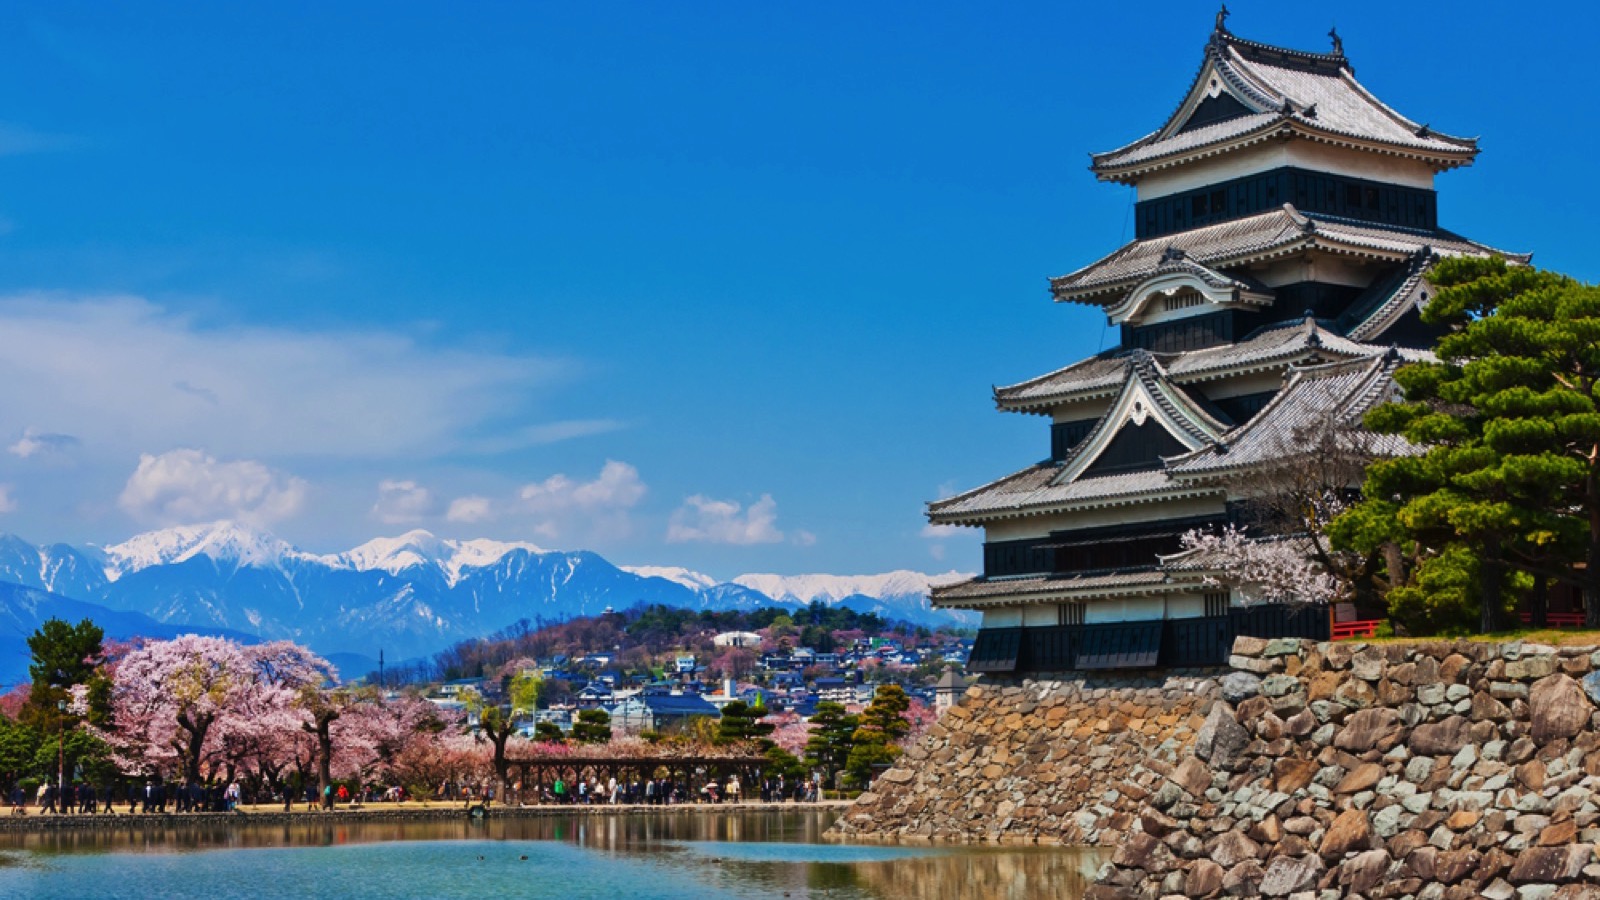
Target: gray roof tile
1042,587
1275,347
1273,233
1287,92
1339,392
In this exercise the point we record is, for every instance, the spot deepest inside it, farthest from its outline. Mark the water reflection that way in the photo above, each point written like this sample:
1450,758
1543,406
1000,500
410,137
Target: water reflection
698,855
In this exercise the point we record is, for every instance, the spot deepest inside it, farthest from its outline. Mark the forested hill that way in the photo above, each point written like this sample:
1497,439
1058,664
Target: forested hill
638,639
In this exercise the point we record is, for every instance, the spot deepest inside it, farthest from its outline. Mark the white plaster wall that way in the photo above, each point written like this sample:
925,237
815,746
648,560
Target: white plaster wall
1041,614
1186,606
1276,154
1009,617
1125,609
1239,386
1082,409
1040,526
1322,267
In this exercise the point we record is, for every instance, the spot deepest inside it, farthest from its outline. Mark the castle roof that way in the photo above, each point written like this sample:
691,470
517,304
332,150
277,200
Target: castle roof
1314,398
1276,233
1274,347
1246,93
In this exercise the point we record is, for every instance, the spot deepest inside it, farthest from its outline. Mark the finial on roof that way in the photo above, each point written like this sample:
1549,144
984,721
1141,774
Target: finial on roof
1424,131
1338,42
1222,18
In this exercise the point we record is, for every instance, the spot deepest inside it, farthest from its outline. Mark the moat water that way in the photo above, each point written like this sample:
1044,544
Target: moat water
674,856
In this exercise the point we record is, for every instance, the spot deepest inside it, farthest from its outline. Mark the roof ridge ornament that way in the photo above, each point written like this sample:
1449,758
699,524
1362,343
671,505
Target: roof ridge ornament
1338,42
1173,253
1222,19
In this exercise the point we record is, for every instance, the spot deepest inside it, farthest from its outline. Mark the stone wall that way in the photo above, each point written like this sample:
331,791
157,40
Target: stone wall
1065,759
1434,771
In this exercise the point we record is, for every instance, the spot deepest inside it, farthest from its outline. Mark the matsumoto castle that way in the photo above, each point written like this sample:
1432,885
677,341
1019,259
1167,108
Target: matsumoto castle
1285,219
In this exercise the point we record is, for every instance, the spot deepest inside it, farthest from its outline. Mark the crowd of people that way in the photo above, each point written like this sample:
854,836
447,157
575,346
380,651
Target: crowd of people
151,796
155,796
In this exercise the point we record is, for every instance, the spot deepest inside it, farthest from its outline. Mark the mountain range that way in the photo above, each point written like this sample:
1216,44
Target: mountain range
408,595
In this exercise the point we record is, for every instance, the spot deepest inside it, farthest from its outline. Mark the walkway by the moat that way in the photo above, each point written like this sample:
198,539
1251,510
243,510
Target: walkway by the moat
273,814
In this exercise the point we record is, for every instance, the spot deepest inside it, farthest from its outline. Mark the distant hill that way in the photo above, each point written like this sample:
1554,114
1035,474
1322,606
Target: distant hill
23,609
409,595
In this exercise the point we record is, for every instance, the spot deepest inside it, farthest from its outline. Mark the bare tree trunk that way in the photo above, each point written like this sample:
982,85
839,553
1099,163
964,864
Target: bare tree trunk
1539,602
1591,569
1491,589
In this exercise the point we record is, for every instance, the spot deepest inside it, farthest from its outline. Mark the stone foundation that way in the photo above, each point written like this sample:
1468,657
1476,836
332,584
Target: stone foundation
1435,771
1422,771
1065,759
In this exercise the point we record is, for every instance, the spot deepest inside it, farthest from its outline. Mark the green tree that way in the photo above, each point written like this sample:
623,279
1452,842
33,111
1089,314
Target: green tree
742,722
1506,493
881,724
63,655
548,733
524,689
19,745
828,745
593,727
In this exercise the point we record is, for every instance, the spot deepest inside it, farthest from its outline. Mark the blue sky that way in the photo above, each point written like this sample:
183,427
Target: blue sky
714,285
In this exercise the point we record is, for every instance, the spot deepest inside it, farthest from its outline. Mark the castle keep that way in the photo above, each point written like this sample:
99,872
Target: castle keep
1285,221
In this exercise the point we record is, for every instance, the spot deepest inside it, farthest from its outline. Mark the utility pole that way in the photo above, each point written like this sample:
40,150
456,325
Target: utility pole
383,684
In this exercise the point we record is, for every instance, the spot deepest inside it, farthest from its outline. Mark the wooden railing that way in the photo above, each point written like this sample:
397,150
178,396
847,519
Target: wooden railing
1362,628
1557,620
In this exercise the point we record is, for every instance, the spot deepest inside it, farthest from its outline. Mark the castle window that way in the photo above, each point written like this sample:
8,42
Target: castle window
1217,604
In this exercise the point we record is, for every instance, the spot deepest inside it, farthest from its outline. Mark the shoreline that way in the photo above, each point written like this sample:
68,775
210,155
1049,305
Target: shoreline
376,813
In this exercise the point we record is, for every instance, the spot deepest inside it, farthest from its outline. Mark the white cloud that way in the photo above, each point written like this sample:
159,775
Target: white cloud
8,503
470,510
402,502
703,519
34,443
802,538
561,504
186,486
122,374
936,535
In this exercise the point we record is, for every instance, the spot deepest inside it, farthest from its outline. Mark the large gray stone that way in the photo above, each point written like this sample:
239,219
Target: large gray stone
1591,687
1238,687
1221,739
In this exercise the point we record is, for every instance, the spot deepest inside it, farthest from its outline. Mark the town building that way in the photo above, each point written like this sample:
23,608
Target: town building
1285,220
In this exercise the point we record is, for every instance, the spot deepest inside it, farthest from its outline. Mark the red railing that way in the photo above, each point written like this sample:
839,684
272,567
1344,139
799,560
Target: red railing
1557,620
1364,628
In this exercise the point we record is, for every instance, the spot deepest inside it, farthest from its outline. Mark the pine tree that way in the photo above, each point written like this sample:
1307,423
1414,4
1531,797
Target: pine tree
593,727
1505,494
828,746
742,722
873,743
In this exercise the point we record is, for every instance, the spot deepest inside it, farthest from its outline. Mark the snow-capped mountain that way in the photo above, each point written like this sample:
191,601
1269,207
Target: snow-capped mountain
223,542
408,595
805,589
686,577
421,549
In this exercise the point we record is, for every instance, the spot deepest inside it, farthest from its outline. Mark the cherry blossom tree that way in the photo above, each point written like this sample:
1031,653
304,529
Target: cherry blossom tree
1262,571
